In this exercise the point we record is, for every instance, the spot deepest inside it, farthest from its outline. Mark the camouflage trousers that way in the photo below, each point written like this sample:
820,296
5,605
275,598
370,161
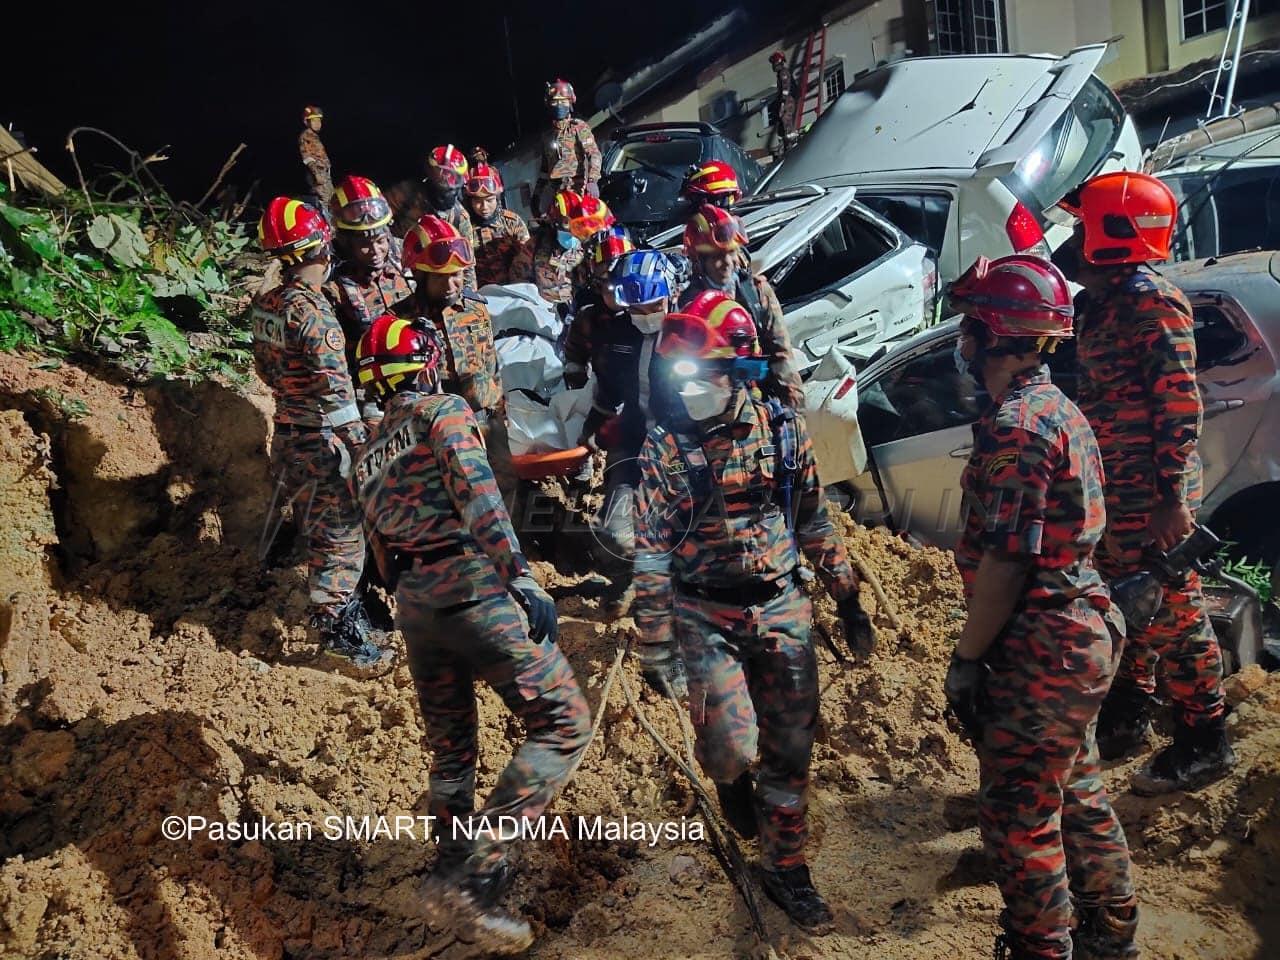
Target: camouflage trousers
320,180
307,469
1042,808
753,699
1180,642
489,640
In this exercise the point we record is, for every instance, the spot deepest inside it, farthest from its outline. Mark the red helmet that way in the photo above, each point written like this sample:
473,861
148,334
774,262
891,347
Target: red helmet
777,57
289,228
1017,296
560,90
435,246
713,180
359,205
611,246
447,165
711,229
713,326
484,181
311,111
565,206
392,352
1128,217
590,218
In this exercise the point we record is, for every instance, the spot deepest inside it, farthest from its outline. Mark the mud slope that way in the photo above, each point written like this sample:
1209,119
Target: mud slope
152,668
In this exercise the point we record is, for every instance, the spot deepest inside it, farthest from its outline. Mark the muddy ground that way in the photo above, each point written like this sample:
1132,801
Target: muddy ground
152,668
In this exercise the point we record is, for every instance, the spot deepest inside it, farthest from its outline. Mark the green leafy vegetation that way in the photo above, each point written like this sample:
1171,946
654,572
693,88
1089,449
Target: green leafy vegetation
1253,572
155,289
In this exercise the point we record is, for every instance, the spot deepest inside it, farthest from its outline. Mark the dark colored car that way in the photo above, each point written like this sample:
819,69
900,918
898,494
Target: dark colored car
645,164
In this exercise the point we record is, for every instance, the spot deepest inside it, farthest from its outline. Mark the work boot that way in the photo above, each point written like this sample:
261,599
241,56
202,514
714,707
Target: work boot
667,679
793,891
467,906
1105,933
1124,722
737,803
1198,756
346,639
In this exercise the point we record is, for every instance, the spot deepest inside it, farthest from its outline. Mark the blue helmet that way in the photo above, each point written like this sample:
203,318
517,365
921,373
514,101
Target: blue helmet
642,276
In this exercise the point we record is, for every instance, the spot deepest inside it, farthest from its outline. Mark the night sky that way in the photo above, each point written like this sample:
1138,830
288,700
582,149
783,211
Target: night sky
394,79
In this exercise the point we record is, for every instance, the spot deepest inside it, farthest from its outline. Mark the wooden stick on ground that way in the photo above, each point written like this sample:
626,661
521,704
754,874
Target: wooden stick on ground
869,576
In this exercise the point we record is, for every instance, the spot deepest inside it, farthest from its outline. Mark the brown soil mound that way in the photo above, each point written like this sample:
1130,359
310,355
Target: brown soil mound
152,668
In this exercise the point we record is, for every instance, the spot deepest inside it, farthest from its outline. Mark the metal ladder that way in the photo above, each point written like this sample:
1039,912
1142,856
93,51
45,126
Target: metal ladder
811,76
1229,62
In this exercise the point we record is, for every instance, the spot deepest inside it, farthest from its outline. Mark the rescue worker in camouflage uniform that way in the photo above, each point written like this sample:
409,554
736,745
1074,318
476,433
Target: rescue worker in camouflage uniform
439,256
369,281
1042,640
720,523
469,608
570,157
1136,352
446,175
716,242
499,234
300,353
553,253
784,126
314,156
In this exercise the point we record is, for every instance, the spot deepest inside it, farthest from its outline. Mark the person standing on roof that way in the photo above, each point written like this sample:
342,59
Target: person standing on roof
785,126
369,281
500,234
300,353
469,608
728,498
314,156
1136,351
570,157
716,243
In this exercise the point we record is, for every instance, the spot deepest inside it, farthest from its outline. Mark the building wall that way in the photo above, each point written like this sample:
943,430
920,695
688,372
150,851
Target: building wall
1183,52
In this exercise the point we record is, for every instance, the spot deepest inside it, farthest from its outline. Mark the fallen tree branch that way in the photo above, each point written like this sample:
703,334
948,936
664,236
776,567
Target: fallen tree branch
882,598
226,168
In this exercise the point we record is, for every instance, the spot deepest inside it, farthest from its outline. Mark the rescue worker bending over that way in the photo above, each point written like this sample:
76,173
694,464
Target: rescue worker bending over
499,233
440,257
1042,639
720,522
369,281
1136,352
716,242
469,608
300,353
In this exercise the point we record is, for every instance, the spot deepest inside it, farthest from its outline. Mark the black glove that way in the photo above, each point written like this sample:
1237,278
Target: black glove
858,632
663,670
964,691
540,608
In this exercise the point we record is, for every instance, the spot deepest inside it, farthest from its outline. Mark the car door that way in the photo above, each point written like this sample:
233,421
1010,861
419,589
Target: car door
845,276
917,414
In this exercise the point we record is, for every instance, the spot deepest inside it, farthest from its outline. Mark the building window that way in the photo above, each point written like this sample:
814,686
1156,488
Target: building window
834,84
970,26
1203,16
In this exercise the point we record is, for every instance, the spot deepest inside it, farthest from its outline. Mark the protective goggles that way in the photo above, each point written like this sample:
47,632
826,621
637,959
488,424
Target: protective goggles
486,186
440,256
725,235
586,227
740,369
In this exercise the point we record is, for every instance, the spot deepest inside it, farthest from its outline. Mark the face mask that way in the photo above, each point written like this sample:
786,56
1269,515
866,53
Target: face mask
703,399
566,240
648,323
561,111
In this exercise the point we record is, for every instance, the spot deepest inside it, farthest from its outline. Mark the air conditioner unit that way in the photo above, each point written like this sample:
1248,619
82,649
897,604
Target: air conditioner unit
723,107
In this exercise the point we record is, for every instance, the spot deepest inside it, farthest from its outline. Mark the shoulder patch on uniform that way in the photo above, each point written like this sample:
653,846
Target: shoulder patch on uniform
1001,462
333,339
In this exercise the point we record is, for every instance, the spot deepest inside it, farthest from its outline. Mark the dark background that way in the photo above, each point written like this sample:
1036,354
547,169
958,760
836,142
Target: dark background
394,79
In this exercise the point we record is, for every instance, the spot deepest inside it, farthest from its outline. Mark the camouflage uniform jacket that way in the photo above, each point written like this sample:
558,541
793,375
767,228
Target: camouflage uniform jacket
359,297
570,157
425,490
584,342
1136,350
743,538
497,246
543,261
757,295
470,355
1033,488
300,353
316,159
